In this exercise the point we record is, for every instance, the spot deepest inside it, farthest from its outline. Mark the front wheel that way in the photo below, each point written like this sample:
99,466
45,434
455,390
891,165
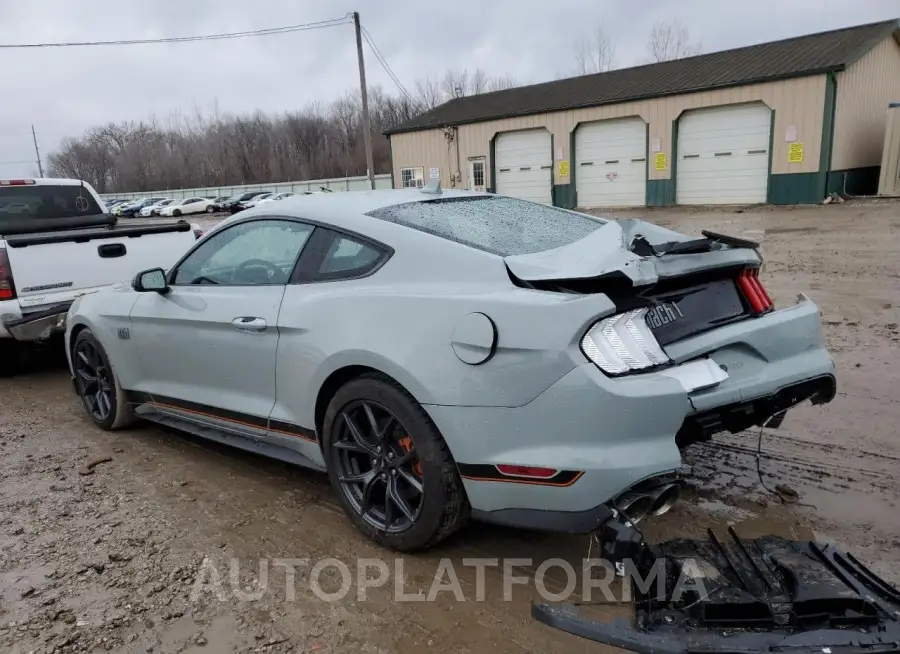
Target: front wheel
391,468
97,385
177,213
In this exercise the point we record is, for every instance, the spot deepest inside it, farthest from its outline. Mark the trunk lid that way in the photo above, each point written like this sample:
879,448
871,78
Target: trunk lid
685,291
607,252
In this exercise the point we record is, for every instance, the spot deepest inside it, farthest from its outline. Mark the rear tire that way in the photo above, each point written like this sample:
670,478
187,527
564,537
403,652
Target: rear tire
440,508
98,386
210,209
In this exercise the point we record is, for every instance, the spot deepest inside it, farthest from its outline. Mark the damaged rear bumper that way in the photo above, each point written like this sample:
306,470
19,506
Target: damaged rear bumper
728,595
37,325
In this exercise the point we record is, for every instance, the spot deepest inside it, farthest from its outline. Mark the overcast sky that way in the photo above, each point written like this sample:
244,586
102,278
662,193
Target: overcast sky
63,91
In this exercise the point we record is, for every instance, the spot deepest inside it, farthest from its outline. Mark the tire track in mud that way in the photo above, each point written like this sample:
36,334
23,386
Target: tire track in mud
727,465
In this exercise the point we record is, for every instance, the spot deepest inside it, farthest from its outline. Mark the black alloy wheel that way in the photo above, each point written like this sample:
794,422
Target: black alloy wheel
378,468
96,385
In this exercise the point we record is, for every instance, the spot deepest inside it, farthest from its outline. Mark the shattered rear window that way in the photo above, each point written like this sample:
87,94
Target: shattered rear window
500,225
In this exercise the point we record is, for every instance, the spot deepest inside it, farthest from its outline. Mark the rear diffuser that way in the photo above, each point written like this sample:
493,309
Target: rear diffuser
729,595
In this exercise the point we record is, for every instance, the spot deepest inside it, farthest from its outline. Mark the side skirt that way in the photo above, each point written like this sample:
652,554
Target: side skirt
233,438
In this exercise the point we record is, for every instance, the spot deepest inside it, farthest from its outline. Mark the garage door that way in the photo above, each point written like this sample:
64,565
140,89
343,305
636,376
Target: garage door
611,158
723,155
524,165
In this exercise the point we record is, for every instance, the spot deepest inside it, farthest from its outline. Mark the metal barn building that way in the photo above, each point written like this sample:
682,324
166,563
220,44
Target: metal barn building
785,122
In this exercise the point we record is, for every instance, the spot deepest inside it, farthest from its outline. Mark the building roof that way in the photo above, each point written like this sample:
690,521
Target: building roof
812,54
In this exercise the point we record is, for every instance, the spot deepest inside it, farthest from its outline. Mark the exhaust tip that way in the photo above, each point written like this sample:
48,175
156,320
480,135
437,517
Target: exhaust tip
635,506
665,499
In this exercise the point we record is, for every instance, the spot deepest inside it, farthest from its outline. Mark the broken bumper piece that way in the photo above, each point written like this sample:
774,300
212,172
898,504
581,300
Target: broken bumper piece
729,595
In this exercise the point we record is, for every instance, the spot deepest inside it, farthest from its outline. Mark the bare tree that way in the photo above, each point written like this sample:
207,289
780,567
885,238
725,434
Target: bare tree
502,83
429,93
594,53
670,40
193,148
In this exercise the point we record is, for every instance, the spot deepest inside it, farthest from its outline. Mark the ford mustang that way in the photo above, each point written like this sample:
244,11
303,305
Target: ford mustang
446,354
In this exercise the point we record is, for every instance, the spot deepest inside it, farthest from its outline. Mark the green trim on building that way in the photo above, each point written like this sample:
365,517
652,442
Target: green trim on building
552,171
826,146
391,160
492,151
769,184
564,196
660,193
794,188
572,166
673,160
853,181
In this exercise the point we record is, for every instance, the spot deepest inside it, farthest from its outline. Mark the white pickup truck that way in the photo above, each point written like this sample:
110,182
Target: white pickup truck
57,242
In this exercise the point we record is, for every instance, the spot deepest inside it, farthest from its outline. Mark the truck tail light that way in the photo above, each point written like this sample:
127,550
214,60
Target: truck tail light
754,292
7,287
17,182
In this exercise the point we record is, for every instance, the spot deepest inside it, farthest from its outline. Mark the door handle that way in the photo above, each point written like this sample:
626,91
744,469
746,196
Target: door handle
249,324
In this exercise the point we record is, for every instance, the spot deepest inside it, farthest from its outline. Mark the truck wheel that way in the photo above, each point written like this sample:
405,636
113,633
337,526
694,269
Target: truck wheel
97,384
390,466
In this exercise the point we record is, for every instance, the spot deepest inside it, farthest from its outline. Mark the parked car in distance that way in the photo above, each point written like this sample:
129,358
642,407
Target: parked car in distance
220,201
153,209
234,205
187,206
273,198
133,209
448,354
252,202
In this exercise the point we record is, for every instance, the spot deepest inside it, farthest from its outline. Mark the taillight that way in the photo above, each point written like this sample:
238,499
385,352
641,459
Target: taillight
754,292
16,182
7,288
526,472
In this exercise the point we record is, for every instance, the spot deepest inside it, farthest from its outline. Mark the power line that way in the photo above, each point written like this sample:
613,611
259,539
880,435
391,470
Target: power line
384,64
286,29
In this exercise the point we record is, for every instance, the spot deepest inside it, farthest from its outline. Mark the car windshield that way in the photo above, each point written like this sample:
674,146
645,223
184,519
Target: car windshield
45,202
500,225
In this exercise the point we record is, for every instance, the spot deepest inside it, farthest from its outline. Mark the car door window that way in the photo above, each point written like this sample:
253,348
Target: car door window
348,257
248,254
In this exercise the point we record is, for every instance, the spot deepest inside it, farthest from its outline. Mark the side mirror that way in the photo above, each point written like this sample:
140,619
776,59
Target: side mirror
152,280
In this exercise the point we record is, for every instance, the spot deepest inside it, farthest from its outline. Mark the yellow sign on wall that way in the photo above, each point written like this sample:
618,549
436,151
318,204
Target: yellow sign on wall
795,152
661,161
563,168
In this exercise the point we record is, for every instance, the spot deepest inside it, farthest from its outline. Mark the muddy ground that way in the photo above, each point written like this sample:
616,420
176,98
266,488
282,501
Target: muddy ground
123,558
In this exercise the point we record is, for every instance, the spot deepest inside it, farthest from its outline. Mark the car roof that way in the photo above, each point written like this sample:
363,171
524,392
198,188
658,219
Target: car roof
348,209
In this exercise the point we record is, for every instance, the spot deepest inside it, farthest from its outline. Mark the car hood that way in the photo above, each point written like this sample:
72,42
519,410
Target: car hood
606,251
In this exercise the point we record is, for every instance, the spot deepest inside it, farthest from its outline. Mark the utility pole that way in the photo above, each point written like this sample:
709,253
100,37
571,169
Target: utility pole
367,126
37,152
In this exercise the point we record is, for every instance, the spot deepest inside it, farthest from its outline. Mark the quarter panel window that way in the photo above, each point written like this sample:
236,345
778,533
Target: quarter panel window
348,257
255,253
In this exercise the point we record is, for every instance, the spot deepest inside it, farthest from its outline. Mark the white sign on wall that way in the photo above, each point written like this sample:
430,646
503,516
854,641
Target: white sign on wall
434,173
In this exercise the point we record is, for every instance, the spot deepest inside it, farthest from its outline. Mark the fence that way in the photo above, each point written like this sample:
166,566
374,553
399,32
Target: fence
336,184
